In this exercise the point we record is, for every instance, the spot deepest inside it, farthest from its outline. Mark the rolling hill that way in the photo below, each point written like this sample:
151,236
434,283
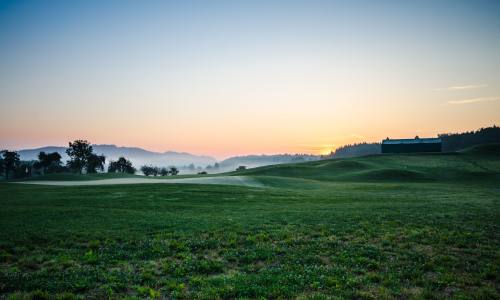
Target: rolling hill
479,162
253,161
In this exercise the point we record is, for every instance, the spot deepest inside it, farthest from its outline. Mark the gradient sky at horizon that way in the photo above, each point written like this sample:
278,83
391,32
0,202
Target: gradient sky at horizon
231,77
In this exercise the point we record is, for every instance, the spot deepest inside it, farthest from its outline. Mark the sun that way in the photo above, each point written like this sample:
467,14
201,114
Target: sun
326,149
325,152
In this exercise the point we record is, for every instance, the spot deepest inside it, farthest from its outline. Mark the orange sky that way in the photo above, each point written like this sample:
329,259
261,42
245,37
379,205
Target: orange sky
229,79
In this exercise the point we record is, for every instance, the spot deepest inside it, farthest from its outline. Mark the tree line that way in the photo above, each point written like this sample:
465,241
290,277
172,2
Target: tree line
356,149
458,141
155,171
450,142
82,159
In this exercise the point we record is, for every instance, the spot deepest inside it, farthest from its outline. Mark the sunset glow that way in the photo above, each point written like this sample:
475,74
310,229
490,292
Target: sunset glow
228,78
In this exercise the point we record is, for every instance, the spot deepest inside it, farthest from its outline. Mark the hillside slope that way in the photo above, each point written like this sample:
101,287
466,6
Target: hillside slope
477,163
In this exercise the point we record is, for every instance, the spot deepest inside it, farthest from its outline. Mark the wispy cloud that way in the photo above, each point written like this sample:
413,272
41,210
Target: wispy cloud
462,87
474,100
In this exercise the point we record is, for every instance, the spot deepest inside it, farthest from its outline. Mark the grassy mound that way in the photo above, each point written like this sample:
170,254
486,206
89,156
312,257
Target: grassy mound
479,163
345,165
391,174
487,149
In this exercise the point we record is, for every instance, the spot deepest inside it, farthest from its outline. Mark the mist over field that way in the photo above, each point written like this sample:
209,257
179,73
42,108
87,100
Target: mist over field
188,163
138,156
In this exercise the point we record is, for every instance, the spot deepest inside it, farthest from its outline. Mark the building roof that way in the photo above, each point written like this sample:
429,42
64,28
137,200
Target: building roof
416,140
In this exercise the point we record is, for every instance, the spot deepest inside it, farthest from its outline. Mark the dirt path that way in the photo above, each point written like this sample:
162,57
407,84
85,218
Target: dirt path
224,180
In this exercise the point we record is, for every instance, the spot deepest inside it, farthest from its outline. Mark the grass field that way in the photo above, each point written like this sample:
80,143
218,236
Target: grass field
386,226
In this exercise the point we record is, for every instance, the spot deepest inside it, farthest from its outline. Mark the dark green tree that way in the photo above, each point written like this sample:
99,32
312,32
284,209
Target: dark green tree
147,170
1,165
150,170
79,153
10,162
164,171
95,162
48,161
174,171
156,171
23,169
122,165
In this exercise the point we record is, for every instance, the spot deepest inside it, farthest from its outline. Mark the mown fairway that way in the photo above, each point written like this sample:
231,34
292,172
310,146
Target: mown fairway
390,226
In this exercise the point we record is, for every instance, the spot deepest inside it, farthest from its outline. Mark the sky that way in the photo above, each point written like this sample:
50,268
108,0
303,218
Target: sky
227,78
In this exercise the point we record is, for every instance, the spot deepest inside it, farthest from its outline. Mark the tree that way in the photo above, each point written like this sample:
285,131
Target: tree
352,150
23,169
10,162
156,170
150,170
79,153
191,167
48,162
174,171
122,165
216,165
113,167
164,172
95,162
241,168
146,170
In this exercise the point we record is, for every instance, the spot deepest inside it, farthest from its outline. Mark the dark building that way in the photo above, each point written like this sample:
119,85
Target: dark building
411,145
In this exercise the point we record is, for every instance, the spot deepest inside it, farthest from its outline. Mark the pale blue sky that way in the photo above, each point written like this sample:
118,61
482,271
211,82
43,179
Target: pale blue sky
228,77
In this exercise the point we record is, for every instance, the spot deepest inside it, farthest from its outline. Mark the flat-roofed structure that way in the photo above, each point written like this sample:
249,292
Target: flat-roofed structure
411,145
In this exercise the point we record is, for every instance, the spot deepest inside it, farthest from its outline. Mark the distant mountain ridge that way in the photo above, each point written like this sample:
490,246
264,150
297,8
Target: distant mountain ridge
182,160
138,156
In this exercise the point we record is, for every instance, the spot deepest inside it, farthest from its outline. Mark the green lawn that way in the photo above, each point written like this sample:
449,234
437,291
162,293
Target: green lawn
388,226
